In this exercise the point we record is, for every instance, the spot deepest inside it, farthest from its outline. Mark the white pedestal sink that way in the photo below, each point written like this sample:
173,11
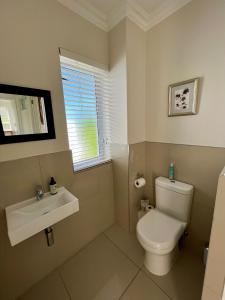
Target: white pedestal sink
31,216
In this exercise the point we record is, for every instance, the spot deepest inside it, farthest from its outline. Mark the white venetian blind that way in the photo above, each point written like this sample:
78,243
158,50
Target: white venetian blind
86,91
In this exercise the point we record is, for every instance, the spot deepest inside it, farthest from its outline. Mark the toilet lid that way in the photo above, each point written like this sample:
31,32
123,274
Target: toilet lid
159,230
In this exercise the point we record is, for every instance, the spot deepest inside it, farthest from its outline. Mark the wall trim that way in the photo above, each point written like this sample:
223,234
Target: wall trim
187,145
128,8
87,11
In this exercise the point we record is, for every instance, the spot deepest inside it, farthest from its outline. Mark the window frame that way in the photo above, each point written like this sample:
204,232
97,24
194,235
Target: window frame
101,140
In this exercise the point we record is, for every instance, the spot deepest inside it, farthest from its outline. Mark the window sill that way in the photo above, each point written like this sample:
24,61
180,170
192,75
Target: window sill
96,165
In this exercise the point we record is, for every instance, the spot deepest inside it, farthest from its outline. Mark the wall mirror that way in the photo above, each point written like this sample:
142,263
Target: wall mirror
25,114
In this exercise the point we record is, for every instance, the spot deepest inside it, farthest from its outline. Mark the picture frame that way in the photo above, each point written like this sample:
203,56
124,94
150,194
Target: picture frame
183,98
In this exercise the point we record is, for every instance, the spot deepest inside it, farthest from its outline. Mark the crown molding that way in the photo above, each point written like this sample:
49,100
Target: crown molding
117,15
128,8
164,11
137,14
131,10
88,12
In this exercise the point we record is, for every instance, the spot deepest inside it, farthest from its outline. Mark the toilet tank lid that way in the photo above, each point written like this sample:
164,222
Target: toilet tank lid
176,186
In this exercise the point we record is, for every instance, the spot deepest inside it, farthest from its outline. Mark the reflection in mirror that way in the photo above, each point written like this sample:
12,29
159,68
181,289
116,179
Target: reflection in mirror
22,114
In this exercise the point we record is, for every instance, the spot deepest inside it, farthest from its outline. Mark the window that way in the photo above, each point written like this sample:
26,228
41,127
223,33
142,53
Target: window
6,123
86,98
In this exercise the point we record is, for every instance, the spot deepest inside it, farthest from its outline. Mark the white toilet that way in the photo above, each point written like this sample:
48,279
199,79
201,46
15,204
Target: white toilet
160,229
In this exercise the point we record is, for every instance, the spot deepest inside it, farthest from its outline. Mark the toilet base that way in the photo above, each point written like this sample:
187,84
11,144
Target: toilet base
160,264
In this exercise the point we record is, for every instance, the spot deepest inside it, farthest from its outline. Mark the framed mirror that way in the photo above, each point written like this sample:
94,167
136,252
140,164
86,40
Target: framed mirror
25,114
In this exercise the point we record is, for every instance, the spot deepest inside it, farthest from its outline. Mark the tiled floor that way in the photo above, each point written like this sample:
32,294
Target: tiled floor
111,268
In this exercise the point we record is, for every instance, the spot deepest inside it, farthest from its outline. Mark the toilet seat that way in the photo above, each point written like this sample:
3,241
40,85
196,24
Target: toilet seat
158,232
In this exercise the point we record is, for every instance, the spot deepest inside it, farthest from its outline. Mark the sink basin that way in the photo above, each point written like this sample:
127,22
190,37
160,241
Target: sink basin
29,217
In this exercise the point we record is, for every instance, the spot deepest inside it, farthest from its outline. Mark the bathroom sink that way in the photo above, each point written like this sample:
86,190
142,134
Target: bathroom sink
31,216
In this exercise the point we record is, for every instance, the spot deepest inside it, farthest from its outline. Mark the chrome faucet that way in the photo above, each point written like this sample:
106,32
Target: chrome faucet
39,192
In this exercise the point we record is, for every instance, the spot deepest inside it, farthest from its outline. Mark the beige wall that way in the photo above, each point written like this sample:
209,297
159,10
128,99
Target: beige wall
31,32
215,270
196,165
137,167
188,44
120,157
31,260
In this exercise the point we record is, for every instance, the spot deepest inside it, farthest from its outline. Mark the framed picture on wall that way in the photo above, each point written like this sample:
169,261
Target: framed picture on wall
183,97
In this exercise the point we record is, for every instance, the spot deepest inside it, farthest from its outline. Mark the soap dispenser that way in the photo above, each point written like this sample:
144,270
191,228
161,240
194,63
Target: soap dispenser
52,186
171,172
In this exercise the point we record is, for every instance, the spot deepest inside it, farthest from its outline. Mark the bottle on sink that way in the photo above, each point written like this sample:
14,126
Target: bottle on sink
53,186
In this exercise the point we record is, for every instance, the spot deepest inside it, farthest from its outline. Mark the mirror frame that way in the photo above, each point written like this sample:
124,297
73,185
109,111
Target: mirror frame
46,95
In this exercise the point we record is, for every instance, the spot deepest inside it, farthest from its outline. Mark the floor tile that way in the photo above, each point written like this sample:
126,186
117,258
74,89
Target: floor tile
143,288
51,287
127,242
185,280
99,272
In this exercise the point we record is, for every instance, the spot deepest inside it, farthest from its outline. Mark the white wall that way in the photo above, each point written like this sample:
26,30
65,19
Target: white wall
188,44
31,32
127,48
136,82
118,71
119,146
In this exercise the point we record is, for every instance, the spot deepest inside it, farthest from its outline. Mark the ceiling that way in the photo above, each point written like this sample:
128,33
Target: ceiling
107,13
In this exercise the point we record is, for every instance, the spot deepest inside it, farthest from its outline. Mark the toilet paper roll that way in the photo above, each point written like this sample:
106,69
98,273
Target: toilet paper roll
140,182
149,207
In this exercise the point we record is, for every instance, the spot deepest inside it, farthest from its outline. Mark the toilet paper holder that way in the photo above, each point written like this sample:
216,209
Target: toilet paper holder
139,175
